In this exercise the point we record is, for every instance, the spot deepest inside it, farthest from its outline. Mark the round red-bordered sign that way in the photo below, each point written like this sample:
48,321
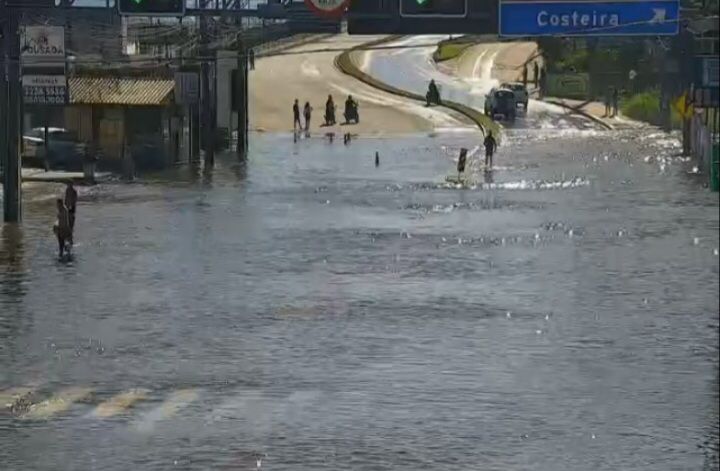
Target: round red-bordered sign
328,8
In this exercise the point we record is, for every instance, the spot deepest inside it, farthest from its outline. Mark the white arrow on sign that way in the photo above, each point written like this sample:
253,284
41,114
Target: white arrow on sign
659,15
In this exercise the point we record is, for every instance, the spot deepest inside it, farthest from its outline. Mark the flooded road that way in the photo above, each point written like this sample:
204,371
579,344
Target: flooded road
411,67
314,312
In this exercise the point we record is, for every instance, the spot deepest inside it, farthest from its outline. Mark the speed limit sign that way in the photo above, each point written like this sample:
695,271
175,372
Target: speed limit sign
328,8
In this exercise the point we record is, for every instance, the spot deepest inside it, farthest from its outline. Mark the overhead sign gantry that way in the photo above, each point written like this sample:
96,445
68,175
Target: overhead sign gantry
422,17
151,7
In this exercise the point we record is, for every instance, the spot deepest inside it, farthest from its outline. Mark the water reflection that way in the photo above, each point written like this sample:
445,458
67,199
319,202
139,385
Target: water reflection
488,176
11,263
335,315
12,293
711,443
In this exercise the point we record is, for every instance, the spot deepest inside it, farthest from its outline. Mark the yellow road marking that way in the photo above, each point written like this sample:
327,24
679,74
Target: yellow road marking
167,409
57,404
120,403
176,401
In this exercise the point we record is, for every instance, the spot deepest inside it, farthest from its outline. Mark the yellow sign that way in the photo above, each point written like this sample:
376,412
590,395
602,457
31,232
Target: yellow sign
683,107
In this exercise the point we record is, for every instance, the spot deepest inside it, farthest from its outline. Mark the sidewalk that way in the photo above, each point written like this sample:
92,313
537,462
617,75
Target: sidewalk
591,109
58,176
594,110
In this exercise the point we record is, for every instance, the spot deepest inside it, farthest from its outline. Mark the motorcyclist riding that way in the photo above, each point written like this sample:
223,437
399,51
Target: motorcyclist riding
329,111
351,110
433,94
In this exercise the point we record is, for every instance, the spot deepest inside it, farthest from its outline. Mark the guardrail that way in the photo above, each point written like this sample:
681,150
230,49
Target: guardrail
705,147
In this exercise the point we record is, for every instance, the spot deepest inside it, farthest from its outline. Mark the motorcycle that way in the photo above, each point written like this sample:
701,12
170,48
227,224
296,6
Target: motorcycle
432,97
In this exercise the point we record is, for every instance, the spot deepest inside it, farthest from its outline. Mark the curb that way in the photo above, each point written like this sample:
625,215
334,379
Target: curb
345,64
599,121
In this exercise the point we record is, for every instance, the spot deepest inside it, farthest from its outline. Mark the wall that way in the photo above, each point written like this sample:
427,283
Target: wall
226,63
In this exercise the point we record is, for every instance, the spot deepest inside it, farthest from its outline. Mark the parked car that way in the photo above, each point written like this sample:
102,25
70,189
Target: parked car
63,150
521,94
501,102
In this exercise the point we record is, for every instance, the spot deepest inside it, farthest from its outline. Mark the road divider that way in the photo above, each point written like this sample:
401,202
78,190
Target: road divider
345,63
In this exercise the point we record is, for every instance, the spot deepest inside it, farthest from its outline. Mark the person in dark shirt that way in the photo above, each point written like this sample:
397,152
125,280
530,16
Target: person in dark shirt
61,228
490,147
296,115
615,102
461,162
307,112
71,205
329,111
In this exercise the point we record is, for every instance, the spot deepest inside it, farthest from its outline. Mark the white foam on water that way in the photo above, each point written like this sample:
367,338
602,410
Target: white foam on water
524,185
476,72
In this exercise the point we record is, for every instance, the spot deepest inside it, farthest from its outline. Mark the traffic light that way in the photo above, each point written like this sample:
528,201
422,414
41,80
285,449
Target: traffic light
433,8
151,7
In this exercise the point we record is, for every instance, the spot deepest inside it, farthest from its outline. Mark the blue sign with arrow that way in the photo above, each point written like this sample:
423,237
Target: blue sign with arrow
573,18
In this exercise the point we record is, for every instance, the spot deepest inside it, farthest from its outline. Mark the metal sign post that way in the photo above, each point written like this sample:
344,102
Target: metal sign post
12,195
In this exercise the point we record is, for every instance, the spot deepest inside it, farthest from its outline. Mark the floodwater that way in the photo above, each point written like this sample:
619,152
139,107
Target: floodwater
317,313
411,67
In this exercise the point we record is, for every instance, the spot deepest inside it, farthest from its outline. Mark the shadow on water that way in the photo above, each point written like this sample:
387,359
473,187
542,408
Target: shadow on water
12,286
711,443
12,272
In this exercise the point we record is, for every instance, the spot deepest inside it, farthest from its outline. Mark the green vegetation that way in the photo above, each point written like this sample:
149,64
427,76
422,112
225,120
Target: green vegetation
645,107
446,51
608,61
451,48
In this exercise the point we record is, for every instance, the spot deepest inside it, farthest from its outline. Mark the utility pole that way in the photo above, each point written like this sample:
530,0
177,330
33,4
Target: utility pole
206,99
241,98
10,109
3,93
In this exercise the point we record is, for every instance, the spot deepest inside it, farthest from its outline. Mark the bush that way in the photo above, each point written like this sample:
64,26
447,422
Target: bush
646,107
